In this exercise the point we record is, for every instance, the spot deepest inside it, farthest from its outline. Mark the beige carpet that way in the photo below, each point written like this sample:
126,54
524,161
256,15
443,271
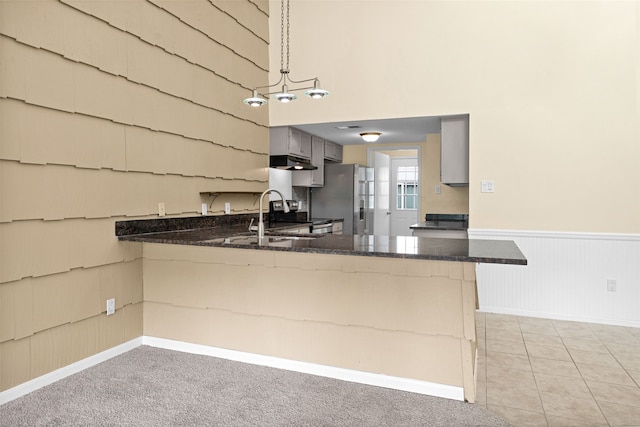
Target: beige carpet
155,387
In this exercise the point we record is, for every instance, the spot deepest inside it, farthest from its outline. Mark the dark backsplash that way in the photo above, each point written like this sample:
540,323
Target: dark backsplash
160,225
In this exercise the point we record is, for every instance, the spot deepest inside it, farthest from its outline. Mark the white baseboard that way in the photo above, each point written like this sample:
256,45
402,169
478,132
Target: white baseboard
556,316
360,377
396,383
74,368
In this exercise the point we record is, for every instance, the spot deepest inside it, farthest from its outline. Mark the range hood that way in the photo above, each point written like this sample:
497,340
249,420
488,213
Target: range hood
289,162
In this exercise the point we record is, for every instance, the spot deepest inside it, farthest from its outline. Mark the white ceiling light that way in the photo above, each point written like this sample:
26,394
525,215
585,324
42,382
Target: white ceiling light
285,96
370,136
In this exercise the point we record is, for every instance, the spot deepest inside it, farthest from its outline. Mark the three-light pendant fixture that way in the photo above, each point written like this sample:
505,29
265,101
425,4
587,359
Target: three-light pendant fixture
257,99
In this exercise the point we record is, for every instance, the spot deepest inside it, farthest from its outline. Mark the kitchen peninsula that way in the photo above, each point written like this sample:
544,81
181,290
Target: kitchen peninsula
392,311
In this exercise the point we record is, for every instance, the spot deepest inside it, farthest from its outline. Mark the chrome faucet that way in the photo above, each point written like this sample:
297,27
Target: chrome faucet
260,219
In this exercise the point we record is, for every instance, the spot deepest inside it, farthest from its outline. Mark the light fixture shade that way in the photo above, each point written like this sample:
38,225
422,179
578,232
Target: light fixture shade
285,97
370,136
255,100
316,92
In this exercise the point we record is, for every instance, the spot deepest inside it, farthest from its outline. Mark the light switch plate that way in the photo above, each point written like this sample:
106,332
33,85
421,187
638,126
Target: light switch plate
161,209
487,186
227,208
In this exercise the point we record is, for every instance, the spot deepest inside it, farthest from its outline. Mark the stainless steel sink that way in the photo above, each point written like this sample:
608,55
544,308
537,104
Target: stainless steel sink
268,240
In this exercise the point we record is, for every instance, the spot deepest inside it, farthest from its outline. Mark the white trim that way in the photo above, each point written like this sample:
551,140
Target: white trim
360,377
555,316
44,380
482,232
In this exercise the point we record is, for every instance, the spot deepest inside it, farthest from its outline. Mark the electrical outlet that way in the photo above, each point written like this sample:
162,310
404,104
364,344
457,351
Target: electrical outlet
111,306
227,208
204,209
438,189
161,209
612,285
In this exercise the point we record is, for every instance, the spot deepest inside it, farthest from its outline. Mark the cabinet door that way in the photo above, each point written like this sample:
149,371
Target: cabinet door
329,150
338,153
317,177
454,151
312,178
299,143
295,142
333,151
305,145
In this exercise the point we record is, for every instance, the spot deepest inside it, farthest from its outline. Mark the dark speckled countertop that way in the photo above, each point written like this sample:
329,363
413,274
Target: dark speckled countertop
439,225
231,231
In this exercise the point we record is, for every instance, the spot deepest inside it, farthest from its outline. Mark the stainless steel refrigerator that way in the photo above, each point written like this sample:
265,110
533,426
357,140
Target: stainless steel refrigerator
347,194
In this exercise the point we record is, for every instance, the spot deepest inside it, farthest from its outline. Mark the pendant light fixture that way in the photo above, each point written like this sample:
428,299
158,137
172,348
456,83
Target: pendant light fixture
257,99
370,136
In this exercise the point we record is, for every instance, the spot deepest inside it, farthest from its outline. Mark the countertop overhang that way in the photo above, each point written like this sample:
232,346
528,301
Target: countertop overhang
408,247
439,225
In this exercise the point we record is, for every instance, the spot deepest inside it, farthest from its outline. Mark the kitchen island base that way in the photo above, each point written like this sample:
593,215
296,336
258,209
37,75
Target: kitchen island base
405,319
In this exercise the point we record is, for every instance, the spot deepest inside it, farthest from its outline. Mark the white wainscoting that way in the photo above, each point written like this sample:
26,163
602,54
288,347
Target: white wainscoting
566,277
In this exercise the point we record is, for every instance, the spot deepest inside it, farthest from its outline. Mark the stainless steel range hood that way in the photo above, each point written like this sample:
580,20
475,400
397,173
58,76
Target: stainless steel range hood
290,162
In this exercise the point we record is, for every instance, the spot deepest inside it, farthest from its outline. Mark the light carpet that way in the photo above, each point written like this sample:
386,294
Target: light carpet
149,386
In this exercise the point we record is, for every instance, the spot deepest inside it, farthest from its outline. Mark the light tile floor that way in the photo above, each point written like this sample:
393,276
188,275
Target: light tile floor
541,372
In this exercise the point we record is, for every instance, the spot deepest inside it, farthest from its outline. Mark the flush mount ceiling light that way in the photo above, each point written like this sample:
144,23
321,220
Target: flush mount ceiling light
257,99
370,136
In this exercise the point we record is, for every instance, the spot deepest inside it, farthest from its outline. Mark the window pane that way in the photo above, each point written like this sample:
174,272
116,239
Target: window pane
410,202
407,187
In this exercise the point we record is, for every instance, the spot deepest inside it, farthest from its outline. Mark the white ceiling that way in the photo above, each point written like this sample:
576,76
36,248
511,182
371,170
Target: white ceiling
404,130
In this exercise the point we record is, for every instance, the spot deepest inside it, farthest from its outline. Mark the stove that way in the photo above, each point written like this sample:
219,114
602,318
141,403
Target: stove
277,214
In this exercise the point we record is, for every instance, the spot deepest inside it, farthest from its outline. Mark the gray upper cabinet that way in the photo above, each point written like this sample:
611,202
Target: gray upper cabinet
312,178
285,140
454,151
332,152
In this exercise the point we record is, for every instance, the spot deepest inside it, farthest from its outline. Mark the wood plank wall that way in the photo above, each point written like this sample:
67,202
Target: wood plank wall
108,108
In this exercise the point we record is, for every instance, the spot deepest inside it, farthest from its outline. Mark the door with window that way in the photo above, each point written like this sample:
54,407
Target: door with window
405,182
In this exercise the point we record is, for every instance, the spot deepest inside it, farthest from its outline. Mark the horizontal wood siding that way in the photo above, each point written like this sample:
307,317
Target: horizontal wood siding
106,110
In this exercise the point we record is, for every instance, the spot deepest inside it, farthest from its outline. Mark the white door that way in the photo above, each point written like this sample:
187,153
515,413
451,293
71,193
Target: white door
404,200
381,214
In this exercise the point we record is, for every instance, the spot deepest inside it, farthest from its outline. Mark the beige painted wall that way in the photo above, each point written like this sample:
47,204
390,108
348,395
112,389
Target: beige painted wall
450,199
107,109
552,89
400,317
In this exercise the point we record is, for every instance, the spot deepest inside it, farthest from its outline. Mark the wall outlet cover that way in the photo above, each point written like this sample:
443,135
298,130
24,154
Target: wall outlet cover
227,208
111,306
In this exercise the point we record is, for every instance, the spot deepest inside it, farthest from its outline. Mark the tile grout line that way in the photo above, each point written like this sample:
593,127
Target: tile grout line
535,380
621,365
580,373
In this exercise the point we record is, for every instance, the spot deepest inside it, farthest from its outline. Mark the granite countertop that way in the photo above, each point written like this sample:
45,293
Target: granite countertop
439,225
326,220
234,234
